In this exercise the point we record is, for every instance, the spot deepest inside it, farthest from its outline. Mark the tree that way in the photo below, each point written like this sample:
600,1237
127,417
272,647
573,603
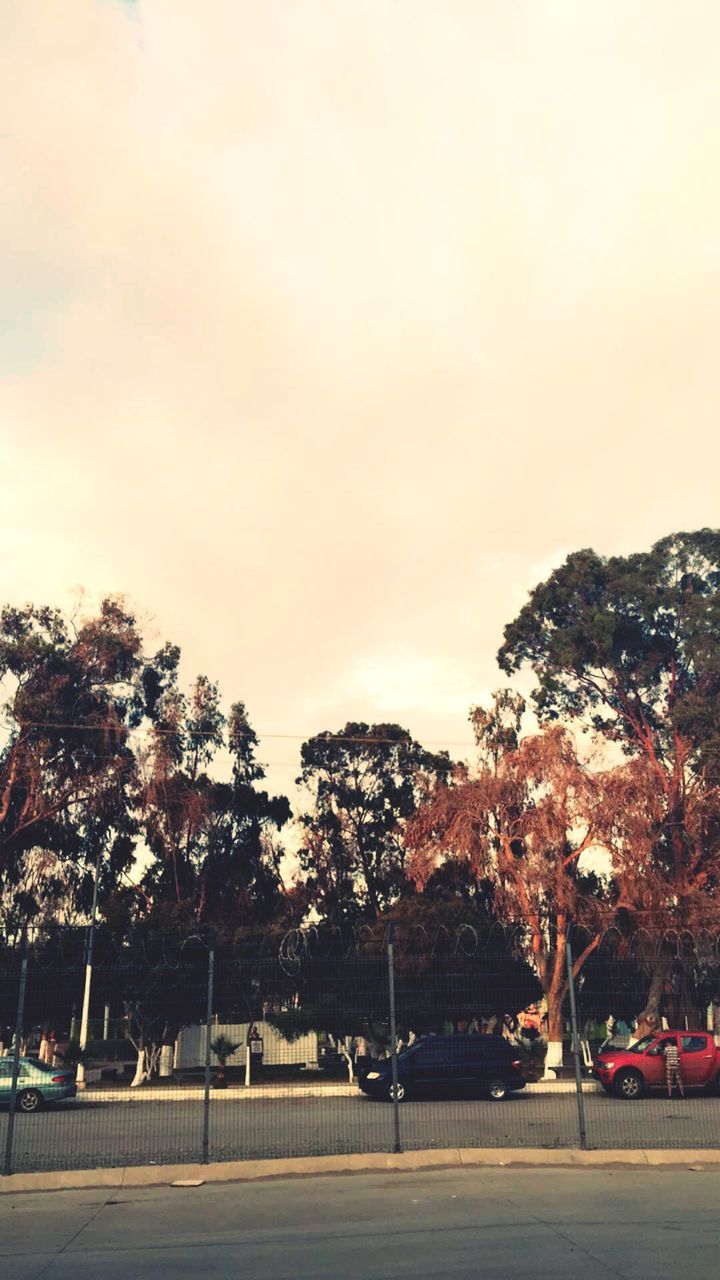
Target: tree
630,647
523,821
160,980
223,1048
67,768
644,891
365,781
215,857
453,959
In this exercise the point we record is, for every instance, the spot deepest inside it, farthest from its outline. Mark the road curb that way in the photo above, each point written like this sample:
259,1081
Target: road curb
239,1093
376,1162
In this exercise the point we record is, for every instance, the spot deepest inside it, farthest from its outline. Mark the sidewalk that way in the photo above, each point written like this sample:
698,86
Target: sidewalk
193,1175
287,1090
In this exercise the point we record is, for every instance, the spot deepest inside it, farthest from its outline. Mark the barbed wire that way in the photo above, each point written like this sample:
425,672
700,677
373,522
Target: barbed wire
288,954
465,940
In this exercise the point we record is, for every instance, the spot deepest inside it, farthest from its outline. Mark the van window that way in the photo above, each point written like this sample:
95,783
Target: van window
431,1051
492,1045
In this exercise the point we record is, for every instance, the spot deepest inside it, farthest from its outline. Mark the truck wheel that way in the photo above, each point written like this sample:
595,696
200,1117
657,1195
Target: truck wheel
629,1085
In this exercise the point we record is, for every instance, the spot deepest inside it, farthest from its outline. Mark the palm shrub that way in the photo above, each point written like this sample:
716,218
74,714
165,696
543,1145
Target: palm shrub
223,1048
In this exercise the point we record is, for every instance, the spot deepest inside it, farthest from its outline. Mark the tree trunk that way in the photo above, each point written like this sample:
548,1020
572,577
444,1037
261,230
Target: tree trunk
152,1059
369,877
554,1055
688,1011
554,995
345,1053
140,1072
649,1020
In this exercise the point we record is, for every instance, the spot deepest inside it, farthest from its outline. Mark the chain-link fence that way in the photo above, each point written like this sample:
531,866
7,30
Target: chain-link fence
186,1050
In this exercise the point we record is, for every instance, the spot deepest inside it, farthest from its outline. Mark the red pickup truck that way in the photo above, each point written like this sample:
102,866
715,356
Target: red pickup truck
629,1073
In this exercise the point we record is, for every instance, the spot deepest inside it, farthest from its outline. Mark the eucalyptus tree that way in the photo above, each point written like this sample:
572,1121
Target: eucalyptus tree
211,829
629,647
522,822
67,765
365,782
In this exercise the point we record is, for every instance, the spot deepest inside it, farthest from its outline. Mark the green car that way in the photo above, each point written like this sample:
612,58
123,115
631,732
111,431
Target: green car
38,1084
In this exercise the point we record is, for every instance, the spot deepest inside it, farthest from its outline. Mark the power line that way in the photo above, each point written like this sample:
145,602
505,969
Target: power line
365,739
325,737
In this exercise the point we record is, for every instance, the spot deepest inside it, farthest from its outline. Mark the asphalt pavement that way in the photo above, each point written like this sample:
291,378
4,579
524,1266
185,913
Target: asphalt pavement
85,1134
498,1224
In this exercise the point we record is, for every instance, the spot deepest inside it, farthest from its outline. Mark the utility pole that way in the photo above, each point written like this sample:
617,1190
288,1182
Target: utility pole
80,1073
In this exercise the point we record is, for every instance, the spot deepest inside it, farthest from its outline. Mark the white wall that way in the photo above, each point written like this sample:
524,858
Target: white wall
190,1046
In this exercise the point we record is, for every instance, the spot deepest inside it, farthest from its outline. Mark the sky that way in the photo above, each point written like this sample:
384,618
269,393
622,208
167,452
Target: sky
332,326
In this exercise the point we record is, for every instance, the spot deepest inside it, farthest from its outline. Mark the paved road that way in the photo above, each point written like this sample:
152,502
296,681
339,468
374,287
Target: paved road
498,1224
85,1134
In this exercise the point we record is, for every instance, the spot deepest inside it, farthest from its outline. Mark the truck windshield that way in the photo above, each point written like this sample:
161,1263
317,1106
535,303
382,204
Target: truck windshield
641,1045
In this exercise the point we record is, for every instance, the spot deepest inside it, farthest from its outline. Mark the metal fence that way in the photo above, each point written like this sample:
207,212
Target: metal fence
185,1051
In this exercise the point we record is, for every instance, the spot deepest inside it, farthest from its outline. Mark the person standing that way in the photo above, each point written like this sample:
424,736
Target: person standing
510,1028
363,1057
673,1075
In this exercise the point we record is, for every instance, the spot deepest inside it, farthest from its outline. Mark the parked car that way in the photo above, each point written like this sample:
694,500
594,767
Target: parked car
38,1084
629,1073
448,1064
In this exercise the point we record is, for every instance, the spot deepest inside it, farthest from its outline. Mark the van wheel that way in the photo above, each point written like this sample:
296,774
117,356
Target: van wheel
392,1094
497,1090
629,1086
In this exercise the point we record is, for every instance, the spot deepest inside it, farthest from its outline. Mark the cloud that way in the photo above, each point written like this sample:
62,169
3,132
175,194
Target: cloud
412,682
331,323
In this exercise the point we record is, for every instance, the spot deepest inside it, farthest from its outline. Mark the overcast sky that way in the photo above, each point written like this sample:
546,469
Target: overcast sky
331,326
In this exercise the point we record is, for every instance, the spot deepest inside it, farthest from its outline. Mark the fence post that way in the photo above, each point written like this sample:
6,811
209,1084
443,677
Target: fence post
393,1039
7,1168
208,1033
576,1049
